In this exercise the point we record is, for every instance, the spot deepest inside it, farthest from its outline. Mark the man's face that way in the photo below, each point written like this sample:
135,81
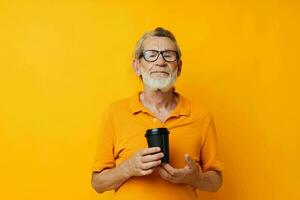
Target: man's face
159,74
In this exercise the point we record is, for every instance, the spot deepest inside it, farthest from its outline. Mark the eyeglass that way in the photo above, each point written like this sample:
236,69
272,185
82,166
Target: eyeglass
152,55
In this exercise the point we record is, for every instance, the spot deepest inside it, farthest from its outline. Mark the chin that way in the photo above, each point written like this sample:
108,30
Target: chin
162,89
162,84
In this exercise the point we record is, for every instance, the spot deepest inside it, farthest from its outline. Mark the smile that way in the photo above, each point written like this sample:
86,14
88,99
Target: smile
160,72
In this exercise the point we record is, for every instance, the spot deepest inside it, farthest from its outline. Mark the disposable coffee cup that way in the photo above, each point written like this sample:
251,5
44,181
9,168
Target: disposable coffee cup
159,137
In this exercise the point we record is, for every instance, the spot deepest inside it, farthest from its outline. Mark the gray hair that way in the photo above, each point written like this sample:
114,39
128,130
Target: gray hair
158,32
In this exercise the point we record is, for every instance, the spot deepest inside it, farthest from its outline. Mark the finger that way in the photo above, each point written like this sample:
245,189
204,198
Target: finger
150,165
191,163
162,171
164,174
146,172
200,168
150,150
172,171
153,157
186,168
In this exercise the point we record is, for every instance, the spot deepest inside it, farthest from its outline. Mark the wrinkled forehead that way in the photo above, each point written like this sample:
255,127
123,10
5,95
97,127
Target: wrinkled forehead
159,43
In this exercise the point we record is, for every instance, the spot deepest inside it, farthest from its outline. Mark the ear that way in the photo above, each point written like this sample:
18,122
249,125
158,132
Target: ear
136,67
179,68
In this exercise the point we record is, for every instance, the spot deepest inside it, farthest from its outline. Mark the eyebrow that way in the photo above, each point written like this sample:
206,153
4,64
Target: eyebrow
159,50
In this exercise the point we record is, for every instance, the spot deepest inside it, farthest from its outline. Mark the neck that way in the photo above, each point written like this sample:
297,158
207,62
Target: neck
158,99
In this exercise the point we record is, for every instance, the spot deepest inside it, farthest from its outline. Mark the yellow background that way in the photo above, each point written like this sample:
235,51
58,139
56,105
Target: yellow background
63,62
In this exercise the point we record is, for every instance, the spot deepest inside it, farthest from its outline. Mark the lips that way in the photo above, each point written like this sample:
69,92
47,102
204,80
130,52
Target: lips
159,72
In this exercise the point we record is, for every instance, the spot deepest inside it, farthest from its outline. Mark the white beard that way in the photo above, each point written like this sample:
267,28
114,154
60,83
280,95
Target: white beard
163,84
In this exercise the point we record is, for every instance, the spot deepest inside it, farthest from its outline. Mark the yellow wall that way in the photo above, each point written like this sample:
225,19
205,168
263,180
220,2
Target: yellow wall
62,62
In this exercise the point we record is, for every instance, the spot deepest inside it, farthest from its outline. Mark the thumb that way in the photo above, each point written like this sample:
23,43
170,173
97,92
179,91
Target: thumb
189,161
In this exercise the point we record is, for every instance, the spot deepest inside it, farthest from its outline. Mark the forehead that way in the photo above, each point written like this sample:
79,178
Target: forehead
159,43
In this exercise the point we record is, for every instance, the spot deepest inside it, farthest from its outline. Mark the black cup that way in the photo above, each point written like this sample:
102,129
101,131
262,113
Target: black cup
159,137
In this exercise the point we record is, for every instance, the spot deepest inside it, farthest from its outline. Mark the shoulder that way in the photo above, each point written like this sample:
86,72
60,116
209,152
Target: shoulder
119,107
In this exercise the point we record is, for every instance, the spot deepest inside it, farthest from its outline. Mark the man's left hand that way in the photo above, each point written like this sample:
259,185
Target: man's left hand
187,175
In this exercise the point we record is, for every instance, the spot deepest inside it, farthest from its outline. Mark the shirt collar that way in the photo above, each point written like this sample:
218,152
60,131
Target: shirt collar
183,107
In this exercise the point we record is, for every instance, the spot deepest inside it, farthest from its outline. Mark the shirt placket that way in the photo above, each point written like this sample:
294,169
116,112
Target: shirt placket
156,123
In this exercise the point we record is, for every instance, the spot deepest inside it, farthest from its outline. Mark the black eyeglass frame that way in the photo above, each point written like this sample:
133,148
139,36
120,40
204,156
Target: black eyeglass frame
158,54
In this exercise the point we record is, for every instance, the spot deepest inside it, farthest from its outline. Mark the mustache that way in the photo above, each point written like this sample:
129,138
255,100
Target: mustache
165,72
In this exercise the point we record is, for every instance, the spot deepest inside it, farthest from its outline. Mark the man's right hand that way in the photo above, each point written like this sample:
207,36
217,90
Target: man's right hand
143,162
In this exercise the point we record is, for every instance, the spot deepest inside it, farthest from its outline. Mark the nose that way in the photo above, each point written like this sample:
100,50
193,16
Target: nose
160,61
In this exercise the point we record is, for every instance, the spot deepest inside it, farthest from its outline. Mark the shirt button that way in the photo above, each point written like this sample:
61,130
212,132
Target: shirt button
154,119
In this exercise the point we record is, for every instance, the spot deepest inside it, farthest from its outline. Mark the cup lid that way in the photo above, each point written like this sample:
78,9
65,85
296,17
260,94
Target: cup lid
155,131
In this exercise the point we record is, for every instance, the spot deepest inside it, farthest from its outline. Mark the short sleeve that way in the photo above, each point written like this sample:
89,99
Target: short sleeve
104,157
209,152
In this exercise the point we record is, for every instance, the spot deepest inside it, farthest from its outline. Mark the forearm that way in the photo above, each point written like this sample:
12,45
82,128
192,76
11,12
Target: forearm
110,179
209,181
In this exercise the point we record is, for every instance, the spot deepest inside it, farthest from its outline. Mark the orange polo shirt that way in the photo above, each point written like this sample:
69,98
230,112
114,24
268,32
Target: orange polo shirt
122,133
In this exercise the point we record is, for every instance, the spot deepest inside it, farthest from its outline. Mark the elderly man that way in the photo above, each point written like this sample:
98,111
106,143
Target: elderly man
124,163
